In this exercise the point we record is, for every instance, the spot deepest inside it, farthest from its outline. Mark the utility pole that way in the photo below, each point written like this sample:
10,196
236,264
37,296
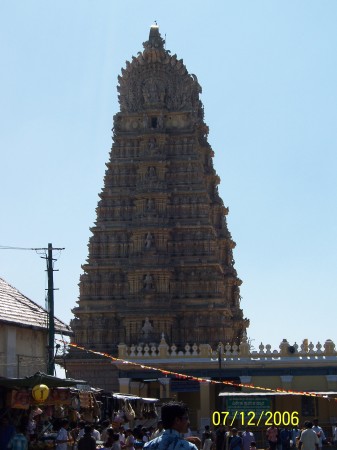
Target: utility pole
50,308
51,330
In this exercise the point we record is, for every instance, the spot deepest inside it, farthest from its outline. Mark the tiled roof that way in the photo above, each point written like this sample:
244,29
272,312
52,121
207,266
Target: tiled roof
17,309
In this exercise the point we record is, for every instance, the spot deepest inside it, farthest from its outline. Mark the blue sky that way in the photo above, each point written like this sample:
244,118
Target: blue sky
268,72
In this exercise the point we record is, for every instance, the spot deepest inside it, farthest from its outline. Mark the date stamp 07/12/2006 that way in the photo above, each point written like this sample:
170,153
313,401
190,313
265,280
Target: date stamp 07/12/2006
254,419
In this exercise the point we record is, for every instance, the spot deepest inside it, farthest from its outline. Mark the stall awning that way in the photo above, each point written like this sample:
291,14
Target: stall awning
134,397
39,378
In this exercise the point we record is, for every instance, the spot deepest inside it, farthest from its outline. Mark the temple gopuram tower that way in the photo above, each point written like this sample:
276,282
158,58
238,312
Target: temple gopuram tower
160,257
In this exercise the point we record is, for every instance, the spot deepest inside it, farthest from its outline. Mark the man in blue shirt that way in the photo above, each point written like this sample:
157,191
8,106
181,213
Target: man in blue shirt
285,437
174,416
19,441
236,441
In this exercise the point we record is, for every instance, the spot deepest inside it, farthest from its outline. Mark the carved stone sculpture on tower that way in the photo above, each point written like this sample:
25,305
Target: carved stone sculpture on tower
148,240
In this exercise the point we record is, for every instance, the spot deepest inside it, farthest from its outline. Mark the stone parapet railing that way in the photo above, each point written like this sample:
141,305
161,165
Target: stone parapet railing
226,351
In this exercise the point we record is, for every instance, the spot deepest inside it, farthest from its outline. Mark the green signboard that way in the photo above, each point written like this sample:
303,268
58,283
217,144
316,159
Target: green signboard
238,405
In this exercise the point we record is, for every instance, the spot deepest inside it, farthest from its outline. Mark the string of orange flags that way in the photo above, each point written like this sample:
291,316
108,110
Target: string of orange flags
191,377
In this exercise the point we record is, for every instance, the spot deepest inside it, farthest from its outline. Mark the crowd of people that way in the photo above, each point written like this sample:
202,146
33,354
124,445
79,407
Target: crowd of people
86,436
171,433
310,437
78,436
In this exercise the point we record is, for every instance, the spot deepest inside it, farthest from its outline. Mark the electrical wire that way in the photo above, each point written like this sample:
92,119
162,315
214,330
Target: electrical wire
7,247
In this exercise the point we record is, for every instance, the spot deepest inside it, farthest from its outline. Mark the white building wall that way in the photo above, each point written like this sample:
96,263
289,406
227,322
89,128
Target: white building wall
23,351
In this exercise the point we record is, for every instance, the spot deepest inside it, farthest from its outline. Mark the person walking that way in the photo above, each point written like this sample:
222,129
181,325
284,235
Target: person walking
247,439
309,439
62,437
176,422
272,435
320,433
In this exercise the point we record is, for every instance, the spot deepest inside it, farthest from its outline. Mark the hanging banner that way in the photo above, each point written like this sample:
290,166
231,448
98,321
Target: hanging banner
19,399
59,396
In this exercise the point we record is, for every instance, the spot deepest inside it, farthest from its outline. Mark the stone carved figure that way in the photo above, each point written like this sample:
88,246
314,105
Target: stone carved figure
237,296
148,282
147,328
151,172
160,121
148,240
227,314
153,91
150,93
151,144
150,204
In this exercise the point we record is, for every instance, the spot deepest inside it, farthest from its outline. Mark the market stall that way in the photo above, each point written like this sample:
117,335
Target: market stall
135,410
37,404
40,402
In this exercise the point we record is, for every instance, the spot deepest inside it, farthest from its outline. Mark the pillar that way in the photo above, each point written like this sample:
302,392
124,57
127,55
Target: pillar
246,379
165,387
124,385
205,413
331,382
286,381
134,387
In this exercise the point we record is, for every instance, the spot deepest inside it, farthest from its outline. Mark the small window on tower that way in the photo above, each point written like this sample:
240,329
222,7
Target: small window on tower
154,122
